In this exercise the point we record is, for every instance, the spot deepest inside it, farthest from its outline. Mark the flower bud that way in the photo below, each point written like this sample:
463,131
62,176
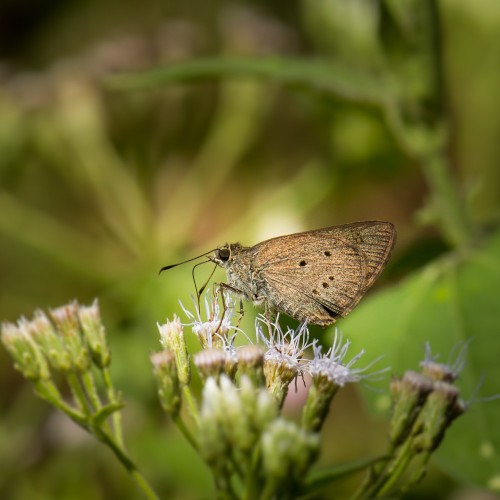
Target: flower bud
409,394
438,371
165,370
172,338
68,326
441,408
258,404
251,362
94,334
235,415
279,373
212,438
210,363
44,334
288,451
28,358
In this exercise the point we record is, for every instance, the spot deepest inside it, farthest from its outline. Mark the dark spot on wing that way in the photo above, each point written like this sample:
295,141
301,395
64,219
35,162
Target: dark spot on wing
331,278
315,292
327,253
325,284
302,263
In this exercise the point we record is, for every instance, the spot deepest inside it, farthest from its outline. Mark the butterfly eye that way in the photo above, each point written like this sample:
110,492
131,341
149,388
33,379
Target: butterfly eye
224,254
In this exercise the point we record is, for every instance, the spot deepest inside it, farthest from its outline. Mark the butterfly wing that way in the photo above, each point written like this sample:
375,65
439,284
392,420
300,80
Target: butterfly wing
321,275
375,239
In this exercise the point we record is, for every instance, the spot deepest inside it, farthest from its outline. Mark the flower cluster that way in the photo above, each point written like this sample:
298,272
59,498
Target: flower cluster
68,347
238,427
424,405
70,338
235,422
239,415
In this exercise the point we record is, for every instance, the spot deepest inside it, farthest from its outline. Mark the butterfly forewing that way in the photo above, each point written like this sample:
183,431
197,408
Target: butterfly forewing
322,274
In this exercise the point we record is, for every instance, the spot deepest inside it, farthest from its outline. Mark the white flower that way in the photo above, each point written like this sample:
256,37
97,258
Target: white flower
447,372
283,348
212,328
331,365
170,332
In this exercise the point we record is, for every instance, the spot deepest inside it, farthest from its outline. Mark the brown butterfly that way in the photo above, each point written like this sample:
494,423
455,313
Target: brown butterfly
315,276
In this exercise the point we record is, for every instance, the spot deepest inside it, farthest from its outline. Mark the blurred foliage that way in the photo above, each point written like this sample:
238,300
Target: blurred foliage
342,110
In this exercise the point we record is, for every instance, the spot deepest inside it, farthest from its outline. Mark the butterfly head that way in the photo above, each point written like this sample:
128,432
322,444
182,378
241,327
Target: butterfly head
224,255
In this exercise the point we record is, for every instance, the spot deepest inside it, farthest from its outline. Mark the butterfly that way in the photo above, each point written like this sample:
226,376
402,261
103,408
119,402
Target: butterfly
315,276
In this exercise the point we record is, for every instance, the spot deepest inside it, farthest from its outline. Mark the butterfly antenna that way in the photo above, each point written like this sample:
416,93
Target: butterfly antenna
166,268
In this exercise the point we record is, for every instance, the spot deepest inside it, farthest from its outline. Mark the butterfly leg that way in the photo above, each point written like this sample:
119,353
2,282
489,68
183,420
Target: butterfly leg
218,289
270,315
242,312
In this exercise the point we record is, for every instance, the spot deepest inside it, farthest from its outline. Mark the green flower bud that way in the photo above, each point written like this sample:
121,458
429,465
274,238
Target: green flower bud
68,326
94,334
441,408
28,357
44,334
165,371
172,338
288,451
408,394
279,372
212,438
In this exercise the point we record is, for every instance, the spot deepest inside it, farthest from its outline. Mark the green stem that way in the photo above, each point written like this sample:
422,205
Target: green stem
223,484
269,491
191,402
251,482
185,431
386,477
419,469
49,392
90,388
427,146
77,391
448,206
396,471
126,462
113,398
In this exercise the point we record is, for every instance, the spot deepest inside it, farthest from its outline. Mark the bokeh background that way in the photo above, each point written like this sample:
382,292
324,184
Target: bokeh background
237,121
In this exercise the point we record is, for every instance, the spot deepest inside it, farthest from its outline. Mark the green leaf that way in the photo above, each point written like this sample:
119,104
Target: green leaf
446,303
320,75
99,417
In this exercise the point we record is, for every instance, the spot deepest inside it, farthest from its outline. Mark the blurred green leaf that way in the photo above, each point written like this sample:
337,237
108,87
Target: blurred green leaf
446,303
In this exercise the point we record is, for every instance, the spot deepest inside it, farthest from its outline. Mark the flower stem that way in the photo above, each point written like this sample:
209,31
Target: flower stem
185,431
126,462
193,408
396,470
49,392
251,481
113,399
387,475
223,485
78,392
89,384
